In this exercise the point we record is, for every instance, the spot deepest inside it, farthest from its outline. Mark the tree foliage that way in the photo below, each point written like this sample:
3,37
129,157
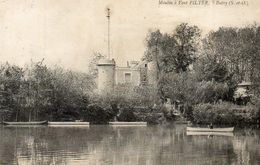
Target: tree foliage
235,48
172,52
187,89
38,92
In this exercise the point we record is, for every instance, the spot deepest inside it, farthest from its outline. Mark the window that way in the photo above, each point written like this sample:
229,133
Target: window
127,77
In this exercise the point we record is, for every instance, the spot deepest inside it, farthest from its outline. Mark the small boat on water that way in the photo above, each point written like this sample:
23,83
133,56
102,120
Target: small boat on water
128,123
63,124
193,133
26,123
198,129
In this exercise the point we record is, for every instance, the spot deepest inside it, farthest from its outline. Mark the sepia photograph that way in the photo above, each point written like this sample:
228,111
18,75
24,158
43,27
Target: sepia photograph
129,82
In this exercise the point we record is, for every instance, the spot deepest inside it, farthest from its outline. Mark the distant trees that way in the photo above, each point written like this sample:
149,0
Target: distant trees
186,88
236,48
195,71
38,92
256,77
215,74
208,68
189,70
70,93
11,83
231,55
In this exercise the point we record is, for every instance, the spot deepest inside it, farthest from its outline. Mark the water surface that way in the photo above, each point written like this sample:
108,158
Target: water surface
135,145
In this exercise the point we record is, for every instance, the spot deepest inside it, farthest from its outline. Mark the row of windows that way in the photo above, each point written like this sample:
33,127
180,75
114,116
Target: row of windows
128,77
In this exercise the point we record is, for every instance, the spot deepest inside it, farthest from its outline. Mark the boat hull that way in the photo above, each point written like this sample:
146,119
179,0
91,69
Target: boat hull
196,129
68,123
193,133
26,123
128,123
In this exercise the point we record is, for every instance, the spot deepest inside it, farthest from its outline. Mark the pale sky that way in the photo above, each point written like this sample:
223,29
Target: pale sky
67,32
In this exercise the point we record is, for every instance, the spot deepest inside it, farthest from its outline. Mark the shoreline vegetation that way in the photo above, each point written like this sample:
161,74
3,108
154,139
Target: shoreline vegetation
198,74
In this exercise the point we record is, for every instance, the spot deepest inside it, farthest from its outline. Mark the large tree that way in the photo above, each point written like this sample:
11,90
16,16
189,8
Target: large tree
11,81
187,41
236,48
172,52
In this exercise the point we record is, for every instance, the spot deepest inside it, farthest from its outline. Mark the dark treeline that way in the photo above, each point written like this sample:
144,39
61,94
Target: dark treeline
202,73
199,73
37,92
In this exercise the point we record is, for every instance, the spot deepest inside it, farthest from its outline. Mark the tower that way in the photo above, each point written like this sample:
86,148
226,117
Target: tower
106,75
106,67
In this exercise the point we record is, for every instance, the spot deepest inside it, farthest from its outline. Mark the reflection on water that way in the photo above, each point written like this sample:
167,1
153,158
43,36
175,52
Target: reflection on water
96,145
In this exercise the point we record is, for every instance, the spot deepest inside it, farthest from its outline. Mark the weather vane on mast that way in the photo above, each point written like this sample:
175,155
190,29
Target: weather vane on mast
108,33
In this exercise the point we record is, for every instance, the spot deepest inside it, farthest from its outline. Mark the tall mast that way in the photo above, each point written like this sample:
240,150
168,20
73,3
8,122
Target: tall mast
108,33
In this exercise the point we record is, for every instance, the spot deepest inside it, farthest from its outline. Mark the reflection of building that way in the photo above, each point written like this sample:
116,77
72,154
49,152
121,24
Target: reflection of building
135,73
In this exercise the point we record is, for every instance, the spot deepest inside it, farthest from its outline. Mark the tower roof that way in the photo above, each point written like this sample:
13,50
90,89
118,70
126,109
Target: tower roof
106,62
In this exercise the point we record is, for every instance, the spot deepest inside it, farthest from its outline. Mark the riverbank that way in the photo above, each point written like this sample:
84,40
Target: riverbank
224,113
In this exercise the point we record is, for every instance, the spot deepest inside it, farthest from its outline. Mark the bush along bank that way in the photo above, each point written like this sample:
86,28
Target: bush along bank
225,114
97,114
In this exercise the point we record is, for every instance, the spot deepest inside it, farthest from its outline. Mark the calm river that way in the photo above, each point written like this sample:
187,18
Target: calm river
152,145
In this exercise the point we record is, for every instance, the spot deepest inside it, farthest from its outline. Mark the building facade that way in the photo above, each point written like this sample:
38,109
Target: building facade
136,73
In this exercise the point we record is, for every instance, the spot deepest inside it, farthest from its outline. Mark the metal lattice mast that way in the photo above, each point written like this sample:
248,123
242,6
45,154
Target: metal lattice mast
108,33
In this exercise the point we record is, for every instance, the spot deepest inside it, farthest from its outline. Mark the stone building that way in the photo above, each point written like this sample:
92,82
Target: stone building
135,73
106,75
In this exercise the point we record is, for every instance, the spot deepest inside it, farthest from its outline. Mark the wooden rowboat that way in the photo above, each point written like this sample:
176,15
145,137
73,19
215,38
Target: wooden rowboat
193,133
26,123
128,123
62,124
197,129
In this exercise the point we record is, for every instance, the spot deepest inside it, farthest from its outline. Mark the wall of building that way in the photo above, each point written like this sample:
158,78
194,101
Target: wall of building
136,73
121,74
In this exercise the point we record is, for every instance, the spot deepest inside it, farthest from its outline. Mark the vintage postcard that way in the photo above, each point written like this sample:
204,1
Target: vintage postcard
129,82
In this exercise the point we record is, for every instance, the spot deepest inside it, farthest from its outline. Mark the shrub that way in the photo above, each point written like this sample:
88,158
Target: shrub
155,118
211,91
124,102
255,101
127,114
97,115
224,113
